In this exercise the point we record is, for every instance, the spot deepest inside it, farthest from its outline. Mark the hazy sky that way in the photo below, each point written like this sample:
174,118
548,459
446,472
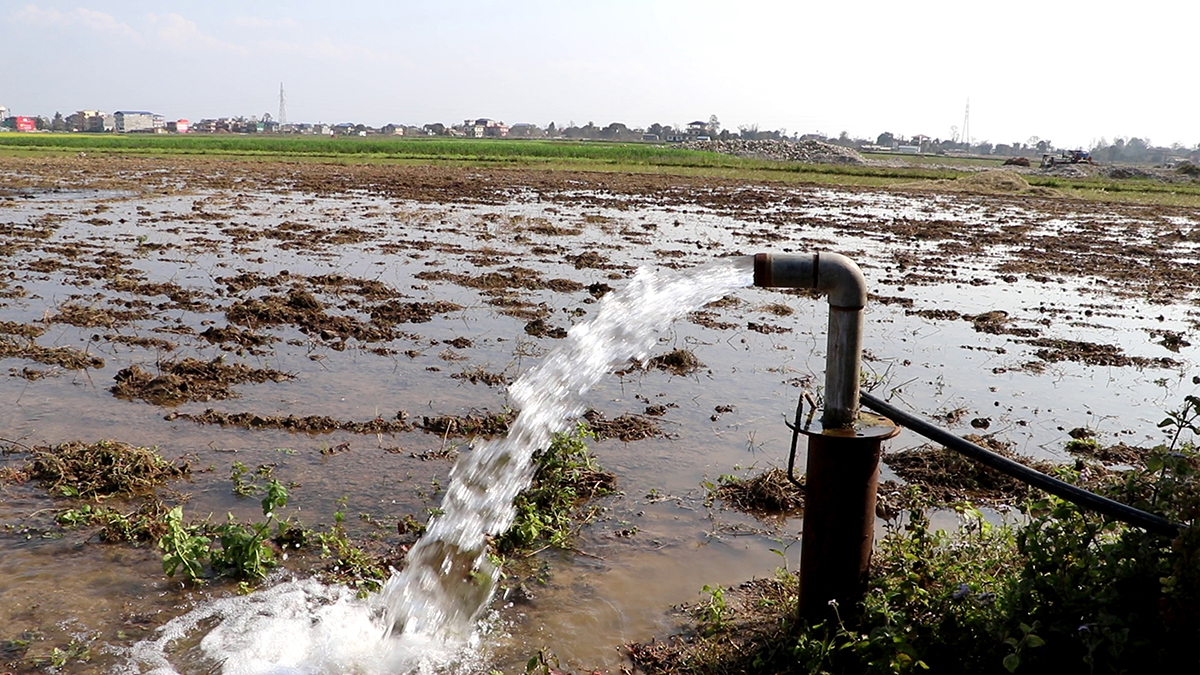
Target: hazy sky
1065,70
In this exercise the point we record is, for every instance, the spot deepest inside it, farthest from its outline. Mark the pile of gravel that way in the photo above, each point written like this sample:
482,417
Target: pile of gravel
808,151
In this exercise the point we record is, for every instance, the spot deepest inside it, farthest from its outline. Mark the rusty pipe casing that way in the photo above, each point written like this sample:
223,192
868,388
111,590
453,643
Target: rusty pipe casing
842,281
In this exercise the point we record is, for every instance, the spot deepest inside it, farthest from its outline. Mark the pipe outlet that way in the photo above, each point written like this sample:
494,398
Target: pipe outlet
842,281
831,273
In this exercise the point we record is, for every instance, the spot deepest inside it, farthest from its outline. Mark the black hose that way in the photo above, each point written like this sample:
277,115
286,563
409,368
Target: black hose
1071,493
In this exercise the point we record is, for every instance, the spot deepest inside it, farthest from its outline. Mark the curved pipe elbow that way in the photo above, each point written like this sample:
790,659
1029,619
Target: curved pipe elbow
830,273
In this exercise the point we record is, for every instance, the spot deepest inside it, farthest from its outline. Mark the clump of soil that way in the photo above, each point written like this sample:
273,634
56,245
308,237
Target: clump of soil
25,330
1172,340
1109,455
934,314
141,341
491,424
90,317
63,357
589,259
626,427
996,322
189,380
242,338
947,476
1093,354
676,362
507,278
599,289
769,491
779,309
393,313
301,309
539,328
101,469
306,424
709,320
481,376
767,328
548,230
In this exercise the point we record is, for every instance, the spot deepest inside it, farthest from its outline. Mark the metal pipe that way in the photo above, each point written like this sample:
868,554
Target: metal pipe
843,447
842,280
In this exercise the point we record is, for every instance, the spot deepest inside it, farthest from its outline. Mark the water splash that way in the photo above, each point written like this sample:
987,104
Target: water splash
448,579
425,619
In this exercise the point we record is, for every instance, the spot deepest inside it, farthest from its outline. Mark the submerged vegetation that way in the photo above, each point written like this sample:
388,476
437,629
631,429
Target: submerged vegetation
1062,589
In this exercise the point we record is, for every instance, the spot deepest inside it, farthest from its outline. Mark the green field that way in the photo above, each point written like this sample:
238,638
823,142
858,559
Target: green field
572,155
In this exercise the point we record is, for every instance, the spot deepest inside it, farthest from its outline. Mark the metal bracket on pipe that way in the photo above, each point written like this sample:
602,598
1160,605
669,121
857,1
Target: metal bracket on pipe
795,427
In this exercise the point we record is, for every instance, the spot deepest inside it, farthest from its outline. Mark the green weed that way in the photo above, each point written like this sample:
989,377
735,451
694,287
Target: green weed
567,474
245,551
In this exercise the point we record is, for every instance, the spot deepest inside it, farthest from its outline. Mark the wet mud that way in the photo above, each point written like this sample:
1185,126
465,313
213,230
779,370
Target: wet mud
355,327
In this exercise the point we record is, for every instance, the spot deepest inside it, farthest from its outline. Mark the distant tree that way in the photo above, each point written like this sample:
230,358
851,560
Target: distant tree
551,130
713,126
58,123
984,148
614,131
844,139
656,129
1043,146
41,123
748,132
724,135
886,138
437,129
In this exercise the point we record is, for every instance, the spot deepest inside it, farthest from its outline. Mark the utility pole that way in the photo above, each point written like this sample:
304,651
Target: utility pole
966,130
282,106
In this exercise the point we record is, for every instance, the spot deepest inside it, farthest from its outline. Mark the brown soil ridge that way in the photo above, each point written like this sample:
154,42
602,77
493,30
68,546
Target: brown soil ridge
307,424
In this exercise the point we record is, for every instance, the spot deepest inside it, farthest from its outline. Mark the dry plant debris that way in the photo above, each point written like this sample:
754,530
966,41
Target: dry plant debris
948,477
769,491
102,469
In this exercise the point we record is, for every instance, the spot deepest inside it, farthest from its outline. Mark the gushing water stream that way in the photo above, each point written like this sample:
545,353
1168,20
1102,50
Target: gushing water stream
425,618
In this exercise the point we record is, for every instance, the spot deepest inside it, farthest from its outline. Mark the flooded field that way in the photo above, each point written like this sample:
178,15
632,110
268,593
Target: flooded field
340,329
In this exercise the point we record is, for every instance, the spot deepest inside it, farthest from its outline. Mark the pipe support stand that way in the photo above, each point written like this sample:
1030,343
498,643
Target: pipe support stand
839,513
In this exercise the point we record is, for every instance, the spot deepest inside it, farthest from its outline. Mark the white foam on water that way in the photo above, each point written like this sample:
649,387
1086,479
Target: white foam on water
426,618
299,627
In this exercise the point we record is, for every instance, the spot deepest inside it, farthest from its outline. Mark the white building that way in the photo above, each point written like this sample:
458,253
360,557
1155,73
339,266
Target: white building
127,121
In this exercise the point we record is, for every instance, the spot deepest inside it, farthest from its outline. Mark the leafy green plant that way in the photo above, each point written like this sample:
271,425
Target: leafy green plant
183,546
713,610
245,551
567,474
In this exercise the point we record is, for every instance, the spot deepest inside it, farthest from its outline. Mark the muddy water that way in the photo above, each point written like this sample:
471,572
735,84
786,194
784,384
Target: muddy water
1116,277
